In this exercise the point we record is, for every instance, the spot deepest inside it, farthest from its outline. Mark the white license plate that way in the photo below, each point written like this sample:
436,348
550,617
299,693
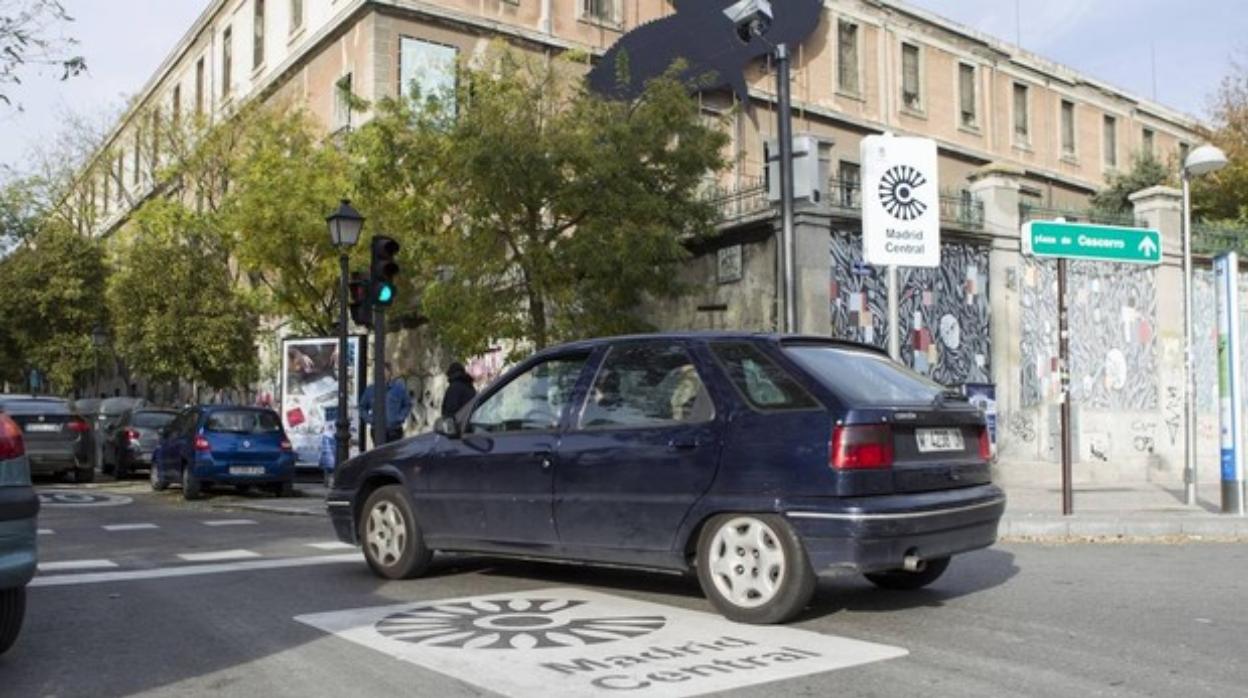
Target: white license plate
246,470
43,428
936,440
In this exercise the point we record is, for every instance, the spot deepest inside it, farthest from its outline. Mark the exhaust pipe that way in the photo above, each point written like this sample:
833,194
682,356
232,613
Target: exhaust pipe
913,563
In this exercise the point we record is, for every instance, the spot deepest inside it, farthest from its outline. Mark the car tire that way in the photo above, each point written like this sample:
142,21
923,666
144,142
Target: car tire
393,544
119,471
12,612
753,568
159,483
901,580
84,475
192,488
108,468
284,489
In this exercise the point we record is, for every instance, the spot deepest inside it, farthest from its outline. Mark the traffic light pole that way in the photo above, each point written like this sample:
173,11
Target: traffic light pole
342,426
381,387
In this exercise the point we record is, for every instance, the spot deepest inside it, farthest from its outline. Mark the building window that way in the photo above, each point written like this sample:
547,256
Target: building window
1109,138
427,71
1068,128
257,38
1184,150
966,95
121,178
138,155
342,102
296,15
105,201
1021,117
199,86
227,61
850,176
175,112
604,11
911,87
847,57
1148,138
154,153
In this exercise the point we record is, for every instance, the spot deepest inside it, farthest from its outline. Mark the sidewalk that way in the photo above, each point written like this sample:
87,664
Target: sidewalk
1124,511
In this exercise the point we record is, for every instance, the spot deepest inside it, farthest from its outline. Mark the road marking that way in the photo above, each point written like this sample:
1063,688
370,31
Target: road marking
75,565
230,522
335,545
190,570
218,555
552,643
71,498
46,532
130,527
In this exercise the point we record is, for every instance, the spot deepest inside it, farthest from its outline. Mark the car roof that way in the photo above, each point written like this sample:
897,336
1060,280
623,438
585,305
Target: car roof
232,408
704,335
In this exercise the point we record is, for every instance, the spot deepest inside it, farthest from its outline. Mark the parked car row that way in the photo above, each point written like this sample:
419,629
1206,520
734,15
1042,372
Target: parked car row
18,508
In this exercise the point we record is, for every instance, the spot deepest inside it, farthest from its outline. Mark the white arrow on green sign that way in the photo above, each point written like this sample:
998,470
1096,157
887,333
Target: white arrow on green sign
1106,243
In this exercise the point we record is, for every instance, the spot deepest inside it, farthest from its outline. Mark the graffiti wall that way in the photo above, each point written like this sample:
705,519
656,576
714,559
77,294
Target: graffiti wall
1113,347
943,311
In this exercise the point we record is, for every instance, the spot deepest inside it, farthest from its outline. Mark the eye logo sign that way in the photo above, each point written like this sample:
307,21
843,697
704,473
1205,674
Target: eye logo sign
897,192
516,623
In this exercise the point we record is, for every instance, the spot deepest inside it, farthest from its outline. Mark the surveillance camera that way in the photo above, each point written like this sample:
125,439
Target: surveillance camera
750,17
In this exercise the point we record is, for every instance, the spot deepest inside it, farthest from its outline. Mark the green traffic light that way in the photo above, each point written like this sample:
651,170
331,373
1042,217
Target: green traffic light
385,294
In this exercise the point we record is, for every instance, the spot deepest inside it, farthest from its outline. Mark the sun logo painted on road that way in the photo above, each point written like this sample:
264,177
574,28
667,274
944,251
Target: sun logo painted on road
897,188
512,624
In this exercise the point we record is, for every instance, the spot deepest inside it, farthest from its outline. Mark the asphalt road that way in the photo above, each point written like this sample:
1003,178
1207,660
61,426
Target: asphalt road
170,601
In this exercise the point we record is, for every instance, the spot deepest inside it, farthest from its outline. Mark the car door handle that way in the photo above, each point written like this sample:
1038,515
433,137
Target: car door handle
683,444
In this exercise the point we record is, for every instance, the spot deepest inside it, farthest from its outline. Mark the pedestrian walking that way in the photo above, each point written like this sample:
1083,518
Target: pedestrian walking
398,405
459,392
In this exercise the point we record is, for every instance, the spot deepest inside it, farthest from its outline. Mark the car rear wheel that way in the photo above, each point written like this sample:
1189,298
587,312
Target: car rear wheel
902,580
192,488
393,544
283,489
159,484
753,568
84,475
12,611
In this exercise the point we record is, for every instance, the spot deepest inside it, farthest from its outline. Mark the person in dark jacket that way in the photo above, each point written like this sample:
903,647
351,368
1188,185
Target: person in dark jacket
459,392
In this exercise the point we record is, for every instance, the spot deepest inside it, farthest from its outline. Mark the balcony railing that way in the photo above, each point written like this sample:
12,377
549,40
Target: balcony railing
735,203
959,208
1032,212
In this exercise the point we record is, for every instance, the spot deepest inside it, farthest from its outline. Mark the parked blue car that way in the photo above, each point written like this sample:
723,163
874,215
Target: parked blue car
18,508
758,461
224,445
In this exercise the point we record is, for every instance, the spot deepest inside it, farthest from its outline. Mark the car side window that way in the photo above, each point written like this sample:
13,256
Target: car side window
647,385
763,384
533,401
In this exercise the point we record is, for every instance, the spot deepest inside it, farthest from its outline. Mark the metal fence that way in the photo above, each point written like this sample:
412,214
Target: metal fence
959,208
1032,212
735,203
1214,238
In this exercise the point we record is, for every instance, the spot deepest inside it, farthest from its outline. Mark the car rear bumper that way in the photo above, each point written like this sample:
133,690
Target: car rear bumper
281,471
53,463
871,534
18,509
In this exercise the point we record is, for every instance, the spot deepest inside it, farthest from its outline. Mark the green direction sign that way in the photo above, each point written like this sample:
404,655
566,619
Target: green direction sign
1104,243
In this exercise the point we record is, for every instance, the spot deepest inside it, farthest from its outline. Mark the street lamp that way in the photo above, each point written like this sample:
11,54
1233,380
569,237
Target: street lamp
1201,161
345,225
99,337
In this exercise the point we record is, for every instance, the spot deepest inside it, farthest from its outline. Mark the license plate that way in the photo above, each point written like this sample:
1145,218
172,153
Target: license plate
935,440
42,428
246,470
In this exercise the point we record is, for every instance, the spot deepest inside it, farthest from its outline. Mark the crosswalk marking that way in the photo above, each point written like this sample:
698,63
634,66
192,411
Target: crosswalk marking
230,522
335,545
46,532
218,555
130,527
192,570
76,565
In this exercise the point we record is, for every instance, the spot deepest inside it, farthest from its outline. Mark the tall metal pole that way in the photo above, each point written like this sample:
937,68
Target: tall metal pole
785,129
342,425
1063,359
1189,378
894,327
380,387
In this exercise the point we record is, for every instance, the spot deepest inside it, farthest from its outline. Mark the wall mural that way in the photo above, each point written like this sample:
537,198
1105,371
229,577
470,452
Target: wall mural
1113,346
1205,338
944,311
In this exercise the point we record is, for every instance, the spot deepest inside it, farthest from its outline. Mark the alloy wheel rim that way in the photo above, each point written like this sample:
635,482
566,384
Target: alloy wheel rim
747,562
386,533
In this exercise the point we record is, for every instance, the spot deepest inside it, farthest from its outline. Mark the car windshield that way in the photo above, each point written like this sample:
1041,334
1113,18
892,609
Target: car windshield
87,406
116,405
35,407
243,422
865,378
152,420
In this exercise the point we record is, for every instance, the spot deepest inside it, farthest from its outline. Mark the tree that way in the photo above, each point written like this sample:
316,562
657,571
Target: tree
544,212
177,311
1146,171
1223,195
26,40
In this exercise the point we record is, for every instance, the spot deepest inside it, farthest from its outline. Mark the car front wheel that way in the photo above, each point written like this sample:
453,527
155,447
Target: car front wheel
753,568
393,544
12,611
192,488
902,580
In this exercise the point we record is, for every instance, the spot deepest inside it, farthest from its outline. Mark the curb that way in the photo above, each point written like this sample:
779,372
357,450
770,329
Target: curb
311,510
1122,528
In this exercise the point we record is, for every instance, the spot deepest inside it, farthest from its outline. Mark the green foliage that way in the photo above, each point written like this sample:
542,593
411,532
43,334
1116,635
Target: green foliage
177,311
1223,196
25,41
1146,171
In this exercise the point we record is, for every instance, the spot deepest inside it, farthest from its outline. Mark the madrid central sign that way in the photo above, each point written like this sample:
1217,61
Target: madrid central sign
1104,243
900,202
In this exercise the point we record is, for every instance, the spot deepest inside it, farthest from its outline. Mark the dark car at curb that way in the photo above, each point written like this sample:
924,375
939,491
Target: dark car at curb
131,442
19,507
57,439
224,445
759,462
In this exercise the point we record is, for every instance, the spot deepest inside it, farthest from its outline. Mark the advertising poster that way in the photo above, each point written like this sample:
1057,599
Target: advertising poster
984,396
310,393
1230,382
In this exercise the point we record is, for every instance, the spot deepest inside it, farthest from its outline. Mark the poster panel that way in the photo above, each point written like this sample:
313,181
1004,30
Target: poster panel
310,393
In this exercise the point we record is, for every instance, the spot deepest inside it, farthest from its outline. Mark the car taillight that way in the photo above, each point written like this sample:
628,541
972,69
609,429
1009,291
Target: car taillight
861,447
78,425
201,444
285,445
11,444
985,444
132,435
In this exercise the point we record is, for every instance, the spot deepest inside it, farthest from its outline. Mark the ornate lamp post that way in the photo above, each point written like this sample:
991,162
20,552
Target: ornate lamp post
345,225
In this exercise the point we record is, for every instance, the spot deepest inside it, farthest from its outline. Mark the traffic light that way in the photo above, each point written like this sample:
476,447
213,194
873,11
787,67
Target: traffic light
360,299
383,271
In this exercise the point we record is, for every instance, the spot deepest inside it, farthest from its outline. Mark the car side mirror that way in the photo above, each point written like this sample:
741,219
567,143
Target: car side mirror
448,427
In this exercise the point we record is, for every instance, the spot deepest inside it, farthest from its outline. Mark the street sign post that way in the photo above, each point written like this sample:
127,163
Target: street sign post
1230,382
1104,243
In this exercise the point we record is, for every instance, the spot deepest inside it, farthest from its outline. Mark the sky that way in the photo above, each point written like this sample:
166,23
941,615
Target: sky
1113,40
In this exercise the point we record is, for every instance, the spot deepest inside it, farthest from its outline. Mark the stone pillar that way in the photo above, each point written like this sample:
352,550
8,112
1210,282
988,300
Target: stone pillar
812,236
1161,208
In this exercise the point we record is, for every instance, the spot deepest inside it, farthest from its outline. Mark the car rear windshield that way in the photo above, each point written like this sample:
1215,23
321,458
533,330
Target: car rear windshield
152,420
35,406
117,405
862,377
243,422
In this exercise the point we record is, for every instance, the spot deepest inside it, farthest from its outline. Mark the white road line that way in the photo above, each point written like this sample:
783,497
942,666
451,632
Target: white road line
230,522
46,532
130,527
219,555
75,565
190,570
335,545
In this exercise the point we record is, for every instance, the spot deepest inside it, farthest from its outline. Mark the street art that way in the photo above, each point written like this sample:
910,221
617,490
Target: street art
943,311
1142,436
1021,426
1113,315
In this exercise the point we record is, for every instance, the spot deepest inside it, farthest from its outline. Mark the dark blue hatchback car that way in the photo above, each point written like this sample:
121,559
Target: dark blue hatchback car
759,461
224,445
